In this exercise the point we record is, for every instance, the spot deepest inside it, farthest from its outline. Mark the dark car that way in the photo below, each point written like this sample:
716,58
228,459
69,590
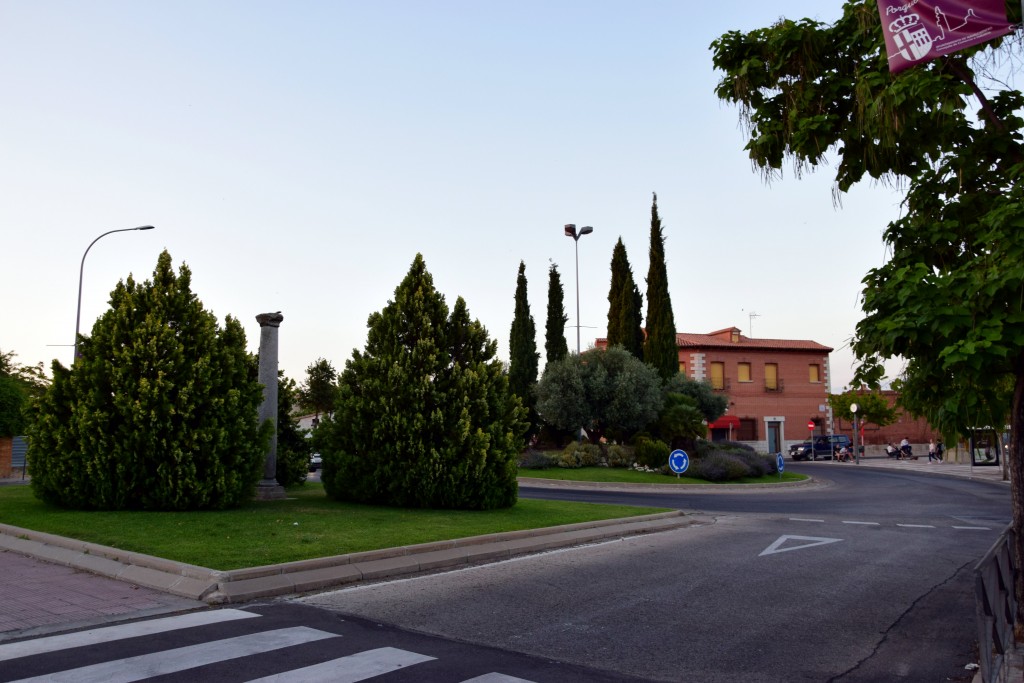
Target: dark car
824,447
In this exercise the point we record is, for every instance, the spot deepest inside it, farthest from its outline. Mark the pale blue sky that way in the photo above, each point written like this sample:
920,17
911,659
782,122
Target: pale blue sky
297,155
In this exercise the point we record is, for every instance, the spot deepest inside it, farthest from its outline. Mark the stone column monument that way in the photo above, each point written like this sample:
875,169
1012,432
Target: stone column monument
268,488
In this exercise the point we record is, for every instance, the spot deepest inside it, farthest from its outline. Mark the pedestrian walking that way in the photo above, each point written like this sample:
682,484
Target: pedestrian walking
940,450
931,451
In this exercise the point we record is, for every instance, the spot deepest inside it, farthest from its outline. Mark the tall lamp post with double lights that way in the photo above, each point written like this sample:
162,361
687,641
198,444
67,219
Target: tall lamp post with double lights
570,231
81,270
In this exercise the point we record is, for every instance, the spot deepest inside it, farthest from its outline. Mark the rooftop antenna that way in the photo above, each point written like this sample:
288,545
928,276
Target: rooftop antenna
752,315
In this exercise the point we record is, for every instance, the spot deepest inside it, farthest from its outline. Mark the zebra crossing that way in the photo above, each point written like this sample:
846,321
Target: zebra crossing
214,645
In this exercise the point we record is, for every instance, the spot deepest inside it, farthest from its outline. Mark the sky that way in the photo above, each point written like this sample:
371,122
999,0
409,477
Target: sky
298,155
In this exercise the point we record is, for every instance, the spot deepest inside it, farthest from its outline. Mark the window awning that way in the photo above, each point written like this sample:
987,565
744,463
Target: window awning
725,422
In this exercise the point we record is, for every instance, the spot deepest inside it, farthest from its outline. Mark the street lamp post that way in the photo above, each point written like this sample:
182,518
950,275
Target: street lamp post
856,451
81,270
570,231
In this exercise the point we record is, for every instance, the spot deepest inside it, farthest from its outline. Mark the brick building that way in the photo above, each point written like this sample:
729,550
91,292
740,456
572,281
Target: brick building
775,386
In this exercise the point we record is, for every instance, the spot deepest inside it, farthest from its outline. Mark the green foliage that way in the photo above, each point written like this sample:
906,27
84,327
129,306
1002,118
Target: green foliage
533,459
523,356
949,300
625,302
718,466
31,378
660,348
651,452
680,420
872,407
319,392
555,346
425,417
12,402
711,404
158,413
580,455
293,448
605,391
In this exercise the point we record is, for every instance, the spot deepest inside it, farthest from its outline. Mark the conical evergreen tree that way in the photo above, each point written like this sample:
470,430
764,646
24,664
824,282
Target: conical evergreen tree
660,348
555,346
424,416
522,346
159,412
624,305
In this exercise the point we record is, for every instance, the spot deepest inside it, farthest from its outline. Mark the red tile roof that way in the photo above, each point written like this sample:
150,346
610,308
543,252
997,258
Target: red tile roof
689,340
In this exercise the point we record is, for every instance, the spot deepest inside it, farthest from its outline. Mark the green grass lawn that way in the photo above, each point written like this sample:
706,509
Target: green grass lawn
306,525
619,474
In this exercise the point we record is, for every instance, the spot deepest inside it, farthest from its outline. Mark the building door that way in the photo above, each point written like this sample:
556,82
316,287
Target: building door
774,430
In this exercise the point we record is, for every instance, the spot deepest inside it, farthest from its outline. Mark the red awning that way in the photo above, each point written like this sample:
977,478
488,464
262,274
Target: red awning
725,422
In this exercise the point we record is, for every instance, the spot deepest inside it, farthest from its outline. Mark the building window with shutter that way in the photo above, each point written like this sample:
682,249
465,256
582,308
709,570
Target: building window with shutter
743,372
717,375
814,371
771,376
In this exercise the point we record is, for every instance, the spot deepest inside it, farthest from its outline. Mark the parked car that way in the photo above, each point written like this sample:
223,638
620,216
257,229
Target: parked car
315,462
824,447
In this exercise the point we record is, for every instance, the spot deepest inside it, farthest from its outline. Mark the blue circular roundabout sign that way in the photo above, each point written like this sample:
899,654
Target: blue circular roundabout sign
678,461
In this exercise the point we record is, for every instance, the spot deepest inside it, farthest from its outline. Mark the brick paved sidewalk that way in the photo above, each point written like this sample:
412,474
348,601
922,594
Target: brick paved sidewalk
38,597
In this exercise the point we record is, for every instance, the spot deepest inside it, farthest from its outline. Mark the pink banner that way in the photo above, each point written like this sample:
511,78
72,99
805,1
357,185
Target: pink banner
919,30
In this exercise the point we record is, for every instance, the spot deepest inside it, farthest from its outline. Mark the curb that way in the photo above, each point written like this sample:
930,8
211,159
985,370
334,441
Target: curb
541,483
241,585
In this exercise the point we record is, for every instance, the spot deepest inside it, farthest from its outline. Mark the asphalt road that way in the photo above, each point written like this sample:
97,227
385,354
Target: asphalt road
865,579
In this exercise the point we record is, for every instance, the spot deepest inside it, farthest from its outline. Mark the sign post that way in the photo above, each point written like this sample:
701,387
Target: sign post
678,462
780,463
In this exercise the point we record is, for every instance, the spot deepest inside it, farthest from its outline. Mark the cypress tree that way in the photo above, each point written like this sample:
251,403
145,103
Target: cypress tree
159,412
522,346
424,416
624,305
555,346
660,348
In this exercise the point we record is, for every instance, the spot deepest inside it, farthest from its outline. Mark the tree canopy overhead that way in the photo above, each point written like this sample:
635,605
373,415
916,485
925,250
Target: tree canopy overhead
950,300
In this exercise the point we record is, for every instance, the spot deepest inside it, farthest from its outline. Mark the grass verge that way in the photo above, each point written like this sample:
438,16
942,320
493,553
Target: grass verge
618,474
306,525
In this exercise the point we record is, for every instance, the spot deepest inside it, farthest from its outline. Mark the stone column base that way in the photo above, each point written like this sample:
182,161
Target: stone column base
270,490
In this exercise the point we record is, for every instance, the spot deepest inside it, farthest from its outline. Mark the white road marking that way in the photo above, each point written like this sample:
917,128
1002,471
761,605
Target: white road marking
862,523
351,669
141,667
119,632
496,678
973,528
803,519
917,526
776,547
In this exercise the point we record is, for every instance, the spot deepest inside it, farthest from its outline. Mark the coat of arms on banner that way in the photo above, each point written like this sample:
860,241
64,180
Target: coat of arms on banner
919,30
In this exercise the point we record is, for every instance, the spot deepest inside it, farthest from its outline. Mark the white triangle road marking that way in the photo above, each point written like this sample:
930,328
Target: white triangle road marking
776,547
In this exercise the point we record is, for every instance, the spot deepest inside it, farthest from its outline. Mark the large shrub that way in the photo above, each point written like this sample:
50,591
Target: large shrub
651,452
159,411
607,391
293,448
424,417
